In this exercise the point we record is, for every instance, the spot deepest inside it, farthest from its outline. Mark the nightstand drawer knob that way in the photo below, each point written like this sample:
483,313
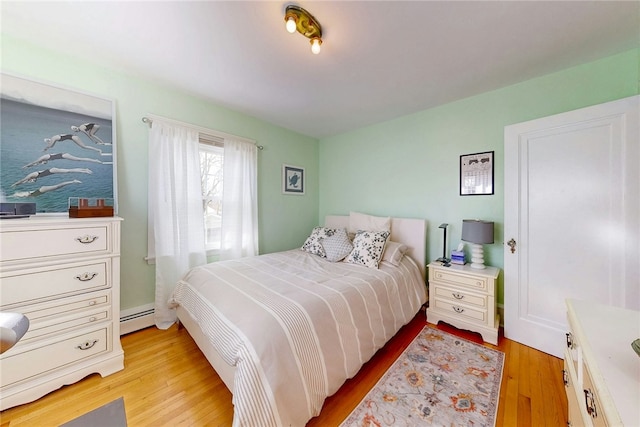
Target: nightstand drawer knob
458,309
457,296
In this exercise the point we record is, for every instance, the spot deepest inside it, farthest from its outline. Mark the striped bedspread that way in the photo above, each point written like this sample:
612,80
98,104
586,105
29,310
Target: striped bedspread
296,326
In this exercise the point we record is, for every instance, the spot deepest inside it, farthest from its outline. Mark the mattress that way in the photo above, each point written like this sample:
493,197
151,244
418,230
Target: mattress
296,326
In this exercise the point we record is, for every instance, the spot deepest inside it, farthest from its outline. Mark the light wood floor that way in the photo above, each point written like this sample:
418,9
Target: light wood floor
168,382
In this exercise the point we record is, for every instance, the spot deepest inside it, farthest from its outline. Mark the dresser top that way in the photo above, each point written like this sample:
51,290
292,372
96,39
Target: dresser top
605,334
51,219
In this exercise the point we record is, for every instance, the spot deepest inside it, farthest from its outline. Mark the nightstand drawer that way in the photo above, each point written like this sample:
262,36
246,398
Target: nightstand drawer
477,283
458,296
461,311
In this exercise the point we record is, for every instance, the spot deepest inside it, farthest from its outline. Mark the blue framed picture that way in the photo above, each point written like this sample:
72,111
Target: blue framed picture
292,180
55,143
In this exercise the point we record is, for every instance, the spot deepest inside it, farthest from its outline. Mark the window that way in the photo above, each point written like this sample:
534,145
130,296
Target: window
211,162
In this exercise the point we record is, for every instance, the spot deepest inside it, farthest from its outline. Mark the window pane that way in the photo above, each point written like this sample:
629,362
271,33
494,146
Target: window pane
211,161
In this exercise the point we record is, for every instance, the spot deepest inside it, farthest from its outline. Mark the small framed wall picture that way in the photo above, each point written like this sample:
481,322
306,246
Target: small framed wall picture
292,180
476,174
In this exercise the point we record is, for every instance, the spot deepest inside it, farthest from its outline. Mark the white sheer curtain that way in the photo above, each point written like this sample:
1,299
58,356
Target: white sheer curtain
175,208
239,235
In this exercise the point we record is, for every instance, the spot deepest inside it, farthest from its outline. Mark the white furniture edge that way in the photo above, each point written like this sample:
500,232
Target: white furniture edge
614,366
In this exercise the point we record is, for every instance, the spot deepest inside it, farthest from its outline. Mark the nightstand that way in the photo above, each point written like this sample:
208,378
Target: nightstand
465,298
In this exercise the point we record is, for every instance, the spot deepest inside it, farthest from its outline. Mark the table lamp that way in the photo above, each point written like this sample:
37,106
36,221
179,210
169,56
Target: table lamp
444,258
477,233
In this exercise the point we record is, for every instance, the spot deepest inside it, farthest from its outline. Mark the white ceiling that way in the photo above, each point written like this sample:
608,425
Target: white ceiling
379,59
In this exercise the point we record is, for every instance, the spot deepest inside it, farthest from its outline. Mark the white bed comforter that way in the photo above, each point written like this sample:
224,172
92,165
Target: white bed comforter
296,326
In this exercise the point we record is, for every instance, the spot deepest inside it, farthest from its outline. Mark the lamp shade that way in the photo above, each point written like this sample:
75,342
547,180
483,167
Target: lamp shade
477,231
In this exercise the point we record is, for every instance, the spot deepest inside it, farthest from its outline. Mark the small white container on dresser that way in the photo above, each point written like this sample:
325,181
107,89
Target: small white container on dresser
64,275
601,369
465,298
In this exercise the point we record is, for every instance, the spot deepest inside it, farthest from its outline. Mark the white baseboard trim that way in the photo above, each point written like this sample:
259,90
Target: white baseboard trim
136,318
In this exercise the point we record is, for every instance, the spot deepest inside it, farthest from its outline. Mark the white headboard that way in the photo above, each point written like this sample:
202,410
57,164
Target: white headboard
410,231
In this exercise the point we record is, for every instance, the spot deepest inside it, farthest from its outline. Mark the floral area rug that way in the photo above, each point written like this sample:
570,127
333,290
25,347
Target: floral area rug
439,380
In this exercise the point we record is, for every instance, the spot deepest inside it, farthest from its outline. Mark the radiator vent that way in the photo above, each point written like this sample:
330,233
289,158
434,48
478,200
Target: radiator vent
136,318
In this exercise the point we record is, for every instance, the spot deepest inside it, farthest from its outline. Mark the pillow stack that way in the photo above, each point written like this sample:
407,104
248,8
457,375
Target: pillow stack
371,244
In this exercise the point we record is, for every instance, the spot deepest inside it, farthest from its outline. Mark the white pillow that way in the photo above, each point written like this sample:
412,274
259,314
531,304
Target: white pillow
312,244
367,248
359,221
393,252
337,246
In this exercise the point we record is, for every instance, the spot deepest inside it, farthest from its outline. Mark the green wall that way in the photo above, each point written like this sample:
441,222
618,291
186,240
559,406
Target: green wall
410,166
404,167
284,221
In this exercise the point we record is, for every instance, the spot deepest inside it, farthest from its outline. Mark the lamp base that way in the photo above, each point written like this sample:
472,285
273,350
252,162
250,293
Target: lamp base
477,257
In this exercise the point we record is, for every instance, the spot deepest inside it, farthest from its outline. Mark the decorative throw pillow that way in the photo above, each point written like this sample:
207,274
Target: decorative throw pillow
367,248
337,246
393,252
312,244
359,221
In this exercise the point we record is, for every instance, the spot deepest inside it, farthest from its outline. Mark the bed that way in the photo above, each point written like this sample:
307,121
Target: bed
286,330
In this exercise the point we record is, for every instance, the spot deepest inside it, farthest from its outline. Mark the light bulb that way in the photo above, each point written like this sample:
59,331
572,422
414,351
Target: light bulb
315,45
291,24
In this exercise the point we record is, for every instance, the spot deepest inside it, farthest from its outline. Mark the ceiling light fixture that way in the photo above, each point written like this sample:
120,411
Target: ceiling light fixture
298,19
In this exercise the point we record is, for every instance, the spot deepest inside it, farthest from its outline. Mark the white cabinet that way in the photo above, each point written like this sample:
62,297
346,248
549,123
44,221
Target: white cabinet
64,275
601,370
465,298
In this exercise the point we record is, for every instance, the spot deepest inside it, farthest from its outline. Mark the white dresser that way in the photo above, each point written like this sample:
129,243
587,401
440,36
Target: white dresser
64,275
601,370
465,298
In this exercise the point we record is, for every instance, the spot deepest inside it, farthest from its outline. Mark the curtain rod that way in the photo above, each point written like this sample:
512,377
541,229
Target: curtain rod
149,120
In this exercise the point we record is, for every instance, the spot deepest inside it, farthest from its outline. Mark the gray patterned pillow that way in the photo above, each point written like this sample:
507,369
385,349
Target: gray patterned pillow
337,246
367,248
312,244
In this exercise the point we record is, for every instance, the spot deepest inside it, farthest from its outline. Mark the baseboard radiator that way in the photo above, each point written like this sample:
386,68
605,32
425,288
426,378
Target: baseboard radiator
136,318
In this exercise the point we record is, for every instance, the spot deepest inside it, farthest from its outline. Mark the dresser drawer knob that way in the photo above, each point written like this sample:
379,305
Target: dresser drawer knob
570,343
93,319
87,344
85,277
590,403
86,239
94,302
457,296
458,309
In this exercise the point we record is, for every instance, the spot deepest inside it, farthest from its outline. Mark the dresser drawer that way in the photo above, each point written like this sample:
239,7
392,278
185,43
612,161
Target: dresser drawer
32,285
28,364
62,315
459,296
591,402
33,244
460,311
476,283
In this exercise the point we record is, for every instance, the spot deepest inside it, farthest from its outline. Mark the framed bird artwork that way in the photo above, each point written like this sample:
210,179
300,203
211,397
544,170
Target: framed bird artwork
292,180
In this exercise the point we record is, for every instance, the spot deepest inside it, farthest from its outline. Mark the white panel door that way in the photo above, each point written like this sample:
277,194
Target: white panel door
572,196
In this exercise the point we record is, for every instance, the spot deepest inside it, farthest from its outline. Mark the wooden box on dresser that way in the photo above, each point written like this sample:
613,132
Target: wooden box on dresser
601,369
64,275
465,298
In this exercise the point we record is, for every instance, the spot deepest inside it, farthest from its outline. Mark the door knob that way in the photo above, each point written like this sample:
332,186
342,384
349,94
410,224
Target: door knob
512,244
